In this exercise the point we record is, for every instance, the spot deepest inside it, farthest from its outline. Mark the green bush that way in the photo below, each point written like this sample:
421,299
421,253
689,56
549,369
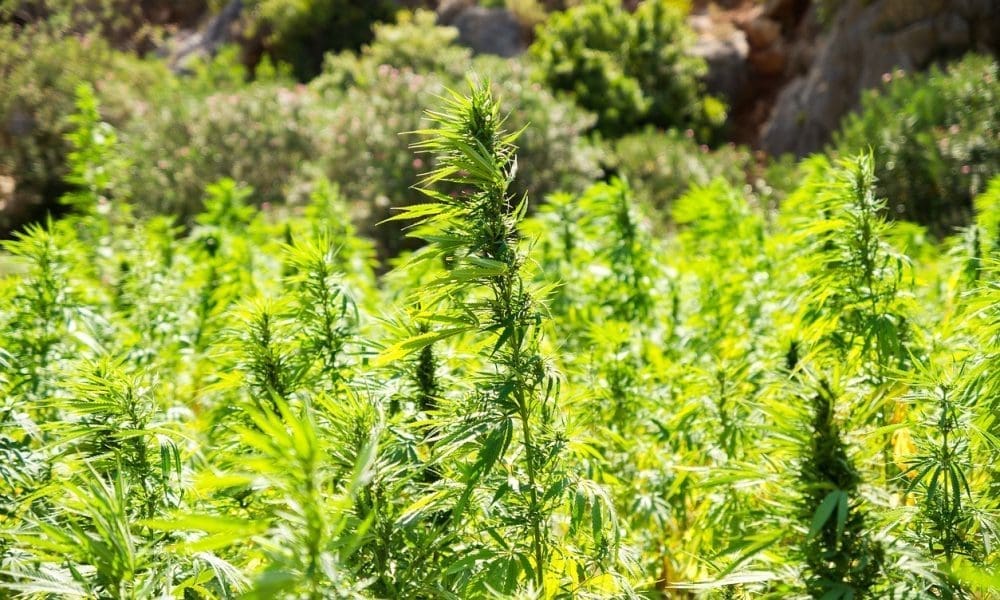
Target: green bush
630,69
344,126
366,155
416,41
936,140
375,165
301,31
39,73
182,134
258,135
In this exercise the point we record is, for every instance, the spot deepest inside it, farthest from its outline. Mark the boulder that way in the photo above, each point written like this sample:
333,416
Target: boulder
725,50
484,30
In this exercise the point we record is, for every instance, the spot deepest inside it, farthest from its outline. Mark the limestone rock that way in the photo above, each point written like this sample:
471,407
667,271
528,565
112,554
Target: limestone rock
484,30
865,40
726,55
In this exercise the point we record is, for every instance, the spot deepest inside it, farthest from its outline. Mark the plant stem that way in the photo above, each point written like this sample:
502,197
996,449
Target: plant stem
529,457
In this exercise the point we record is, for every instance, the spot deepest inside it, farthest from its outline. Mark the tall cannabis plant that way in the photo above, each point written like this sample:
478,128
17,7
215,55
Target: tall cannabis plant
485,291
476,232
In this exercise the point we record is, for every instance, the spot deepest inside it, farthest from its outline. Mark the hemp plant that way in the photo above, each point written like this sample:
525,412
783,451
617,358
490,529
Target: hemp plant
509,422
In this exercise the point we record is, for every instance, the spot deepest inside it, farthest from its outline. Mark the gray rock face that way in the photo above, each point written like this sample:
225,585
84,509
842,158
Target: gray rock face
867,39
485,30
726,53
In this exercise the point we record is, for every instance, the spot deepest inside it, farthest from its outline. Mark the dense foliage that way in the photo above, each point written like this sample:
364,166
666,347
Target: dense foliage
181,134
771,404
283,339
630,69
936,139
382,91
127,24
39,71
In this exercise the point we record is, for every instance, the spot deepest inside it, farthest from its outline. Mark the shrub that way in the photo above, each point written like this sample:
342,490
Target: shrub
258,135
125,24
300,32
366,154
181,135
417,42
936,140
374,164
39,73
344,126
630,69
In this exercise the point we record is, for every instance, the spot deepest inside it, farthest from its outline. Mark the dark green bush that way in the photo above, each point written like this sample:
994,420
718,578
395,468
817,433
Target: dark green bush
935,137
416,41
300,32
630,69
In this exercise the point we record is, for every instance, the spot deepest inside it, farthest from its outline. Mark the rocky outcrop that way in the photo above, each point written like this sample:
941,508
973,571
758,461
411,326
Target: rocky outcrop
752,48
725,51
484,30
865,40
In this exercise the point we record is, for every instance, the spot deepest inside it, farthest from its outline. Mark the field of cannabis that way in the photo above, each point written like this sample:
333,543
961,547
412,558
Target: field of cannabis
781,402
